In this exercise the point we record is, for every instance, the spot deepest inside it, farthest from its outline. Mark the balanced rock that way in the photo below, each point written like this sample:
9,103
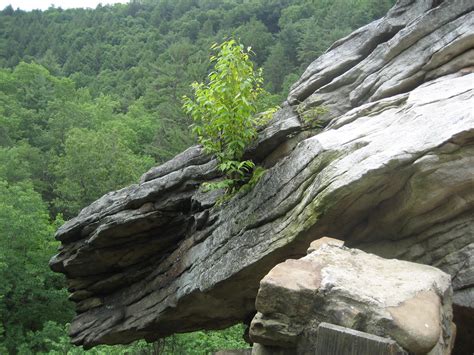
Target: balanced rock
407,302
390,173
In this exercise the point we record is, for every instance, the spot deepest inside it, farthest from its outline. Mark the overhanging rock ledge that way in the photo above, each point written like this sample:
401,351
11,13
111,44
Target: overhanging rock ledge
391,173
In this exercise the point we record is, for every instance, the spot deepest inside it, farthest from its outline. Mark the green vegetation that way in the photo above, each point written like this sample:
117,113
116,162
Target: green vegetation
70,146
30,294
53,340
90,99
224,112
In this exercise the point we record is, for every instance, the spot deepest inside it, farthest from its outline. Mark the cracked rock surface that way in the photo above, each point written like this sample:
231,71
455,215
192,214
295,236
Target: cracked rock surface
391,173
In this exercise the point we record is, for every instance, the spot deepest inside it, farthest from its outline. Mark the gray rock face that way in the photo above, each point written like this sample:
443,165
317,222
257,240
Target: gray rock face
407,302
390,56
391,173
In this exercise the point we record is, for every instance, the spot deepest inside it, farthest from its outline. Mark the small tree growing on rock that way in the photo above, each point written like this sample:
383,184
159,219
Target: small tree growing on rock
224,112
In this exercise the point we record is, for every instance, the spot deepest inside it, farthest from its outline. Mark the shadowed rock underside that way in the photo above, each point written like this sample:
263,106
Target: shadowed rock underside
391,173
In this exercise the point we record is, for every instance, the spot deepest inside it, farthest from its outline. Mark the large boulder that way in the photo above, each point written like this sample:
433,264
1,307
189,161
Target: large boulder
407,302
390,173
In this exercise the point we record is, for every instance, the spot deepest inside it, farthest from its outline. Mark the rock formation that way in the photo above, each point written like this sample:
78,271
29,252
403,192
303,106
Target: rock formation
390,173
407,302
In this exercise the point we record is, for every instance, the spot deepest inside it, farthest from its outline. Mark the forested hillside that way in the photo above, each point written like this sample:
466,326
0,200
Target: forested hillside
90,99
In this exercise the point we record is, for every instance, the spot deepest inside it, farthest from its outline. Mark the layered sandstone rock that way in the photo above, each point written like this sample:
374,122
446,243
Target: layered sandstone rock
391,173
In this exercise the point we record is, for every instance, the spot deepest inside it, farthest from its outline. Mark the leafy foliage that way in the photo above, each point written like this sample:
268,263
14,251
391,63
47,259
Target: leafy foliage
30,294
204,342
224,111
94,161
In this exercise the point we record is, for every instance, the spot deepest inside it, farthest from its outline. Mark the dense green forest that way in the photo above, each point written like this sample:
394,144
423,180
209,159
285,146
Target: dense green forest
90,99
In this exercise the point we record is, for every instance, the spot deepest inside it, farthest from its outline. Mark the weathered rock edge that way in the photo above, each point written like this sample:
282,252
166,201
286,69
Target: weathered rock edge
393,167
407,302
